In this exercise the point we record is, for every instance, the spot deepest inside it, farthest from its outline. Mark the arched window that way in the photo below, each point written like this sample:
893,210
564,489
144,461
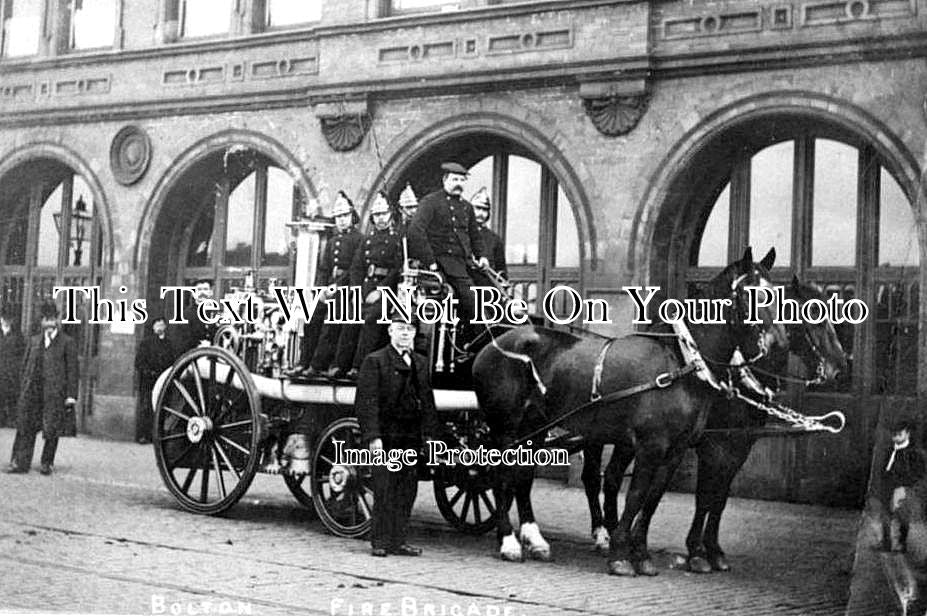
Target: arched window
535,219
838,218
240,226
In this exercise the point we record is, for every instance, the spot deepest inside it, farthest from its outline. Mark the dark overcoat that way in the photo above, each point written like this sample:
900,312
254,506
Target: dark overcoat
49,377
11,357
382,402
495,250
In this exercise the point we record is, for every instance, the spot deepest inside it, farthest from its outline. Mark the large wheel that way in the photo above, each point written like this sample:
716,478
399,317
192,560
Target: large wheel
208,430
298,485
464,498
343,494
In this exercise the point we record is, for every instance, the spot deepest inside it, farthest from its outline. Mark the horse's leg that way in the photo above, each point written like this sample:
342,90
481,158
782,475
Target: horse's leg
638,539
509,546
736,448
592,482
530,532
622,455
707,475
619,559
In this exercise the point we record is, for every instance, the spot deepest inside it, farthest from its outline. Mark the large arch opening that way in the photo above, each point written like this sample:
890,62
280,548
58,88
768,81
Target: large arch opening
223,216
837,201
52,234
538,208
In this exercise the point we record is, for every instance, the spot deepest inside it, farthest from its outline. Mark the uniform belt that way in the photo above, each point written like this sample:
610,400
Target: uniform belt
373,270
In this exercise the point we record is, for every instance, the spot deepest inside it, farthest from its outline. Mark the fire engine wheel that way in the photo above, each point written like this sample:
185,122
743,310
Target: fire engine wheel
464,497
342,493
299,485
228,338
208,430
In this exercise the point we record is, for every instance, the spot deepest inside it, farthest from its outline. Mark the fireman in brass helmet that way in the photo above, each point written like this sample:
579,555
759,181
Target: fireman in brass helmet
408,205
334,271
493,245
377,262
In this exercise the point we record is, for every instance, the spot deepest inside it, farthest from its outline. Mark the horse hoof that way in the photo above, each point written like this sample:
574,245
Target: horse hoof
510,549
646,567
622,567
719,563
601,537
541,555
698,564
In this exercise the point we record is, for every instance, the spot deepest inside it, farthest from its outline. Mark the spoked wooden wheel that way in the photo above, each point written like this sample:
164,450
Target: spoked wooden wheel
464,498
207,430
299,486
342,493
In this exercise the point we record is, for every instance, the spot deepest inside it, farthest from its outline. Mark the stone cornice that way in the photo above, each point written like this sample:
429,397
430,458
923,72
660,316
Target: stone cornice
654,68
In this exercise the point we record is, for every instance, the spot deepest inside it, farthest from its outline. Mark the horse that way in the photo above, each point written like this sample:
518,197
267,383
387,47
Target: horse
731,432
532,378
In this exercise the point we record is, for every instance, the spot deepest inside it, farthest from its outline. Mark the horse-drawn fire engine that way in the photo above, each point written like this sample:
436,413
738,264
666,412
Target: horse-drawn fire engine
227,411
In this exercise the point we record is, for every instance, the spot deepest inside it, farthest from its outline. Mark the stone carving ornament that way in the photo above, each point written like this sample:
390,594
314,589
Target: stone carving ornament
615,115
129,154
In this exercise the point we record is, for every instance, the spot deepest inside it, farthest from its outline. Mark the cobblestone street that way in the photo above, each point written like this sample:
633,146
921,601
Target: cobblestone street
102,535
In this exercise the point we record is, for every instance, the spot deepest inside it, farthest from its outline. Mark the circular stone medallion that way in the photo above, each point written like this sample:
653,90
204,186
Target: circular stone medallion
129,155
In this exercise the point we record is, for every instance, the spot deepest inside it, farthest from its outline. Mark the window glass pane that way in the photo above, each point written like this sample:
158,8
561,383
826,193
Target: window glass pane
771,201
279,212
15,230
712,250
93,23
418,5
201,250
240,223
81,222
205,17
897,227
522,211
288,12
21,25
47,254
566,252
833,237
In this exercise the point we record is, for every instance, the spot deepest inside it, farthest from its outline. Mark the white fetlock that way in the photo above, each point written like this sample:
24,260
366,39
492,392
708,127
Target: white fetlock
538,548
511,548
602,538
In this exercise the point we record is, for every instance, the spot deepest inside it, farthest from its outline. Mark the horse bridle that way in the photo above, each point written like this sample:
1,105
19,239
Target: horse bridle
740,312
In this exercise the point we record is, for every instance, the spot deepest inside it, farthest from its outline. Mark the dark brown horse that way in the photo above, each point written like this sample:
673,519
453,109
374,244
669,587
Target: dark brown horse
731,432
532,377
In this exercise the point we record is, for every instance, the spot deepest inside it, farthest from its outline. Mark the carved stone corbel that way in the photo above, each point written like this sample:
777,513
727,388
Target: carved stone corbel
344,124
614,108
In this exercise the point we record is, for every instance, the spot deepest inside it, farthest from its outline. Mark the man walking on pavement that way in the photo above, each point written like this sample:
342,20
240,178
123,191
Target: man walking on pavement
49,386
396,410
11,354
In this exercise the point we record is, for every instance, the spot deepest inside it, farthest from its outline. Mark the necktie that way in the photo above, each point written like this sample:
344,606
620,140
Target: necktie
407,357
47,340
891,458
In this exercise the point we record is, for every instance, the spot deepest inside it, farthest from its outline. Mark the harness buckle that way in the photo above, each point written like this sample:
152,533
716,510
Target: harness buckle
663,380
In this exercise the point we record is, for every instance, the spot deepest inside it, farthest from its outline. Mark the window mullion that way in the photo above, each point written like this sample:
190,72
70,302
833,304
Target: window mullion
500,186
64,232
260,216
867,243
739,209
221,216
803,204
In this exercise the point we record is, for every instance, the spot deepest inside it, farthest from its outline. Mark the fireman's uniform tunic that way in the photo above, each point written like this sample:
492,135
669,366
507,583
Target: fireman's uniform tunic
334,269
377,262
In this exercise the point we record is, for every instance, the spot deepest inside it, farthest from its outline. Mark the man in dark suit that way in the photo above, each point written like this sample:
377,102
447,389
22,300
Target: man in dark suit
49,385
492,244
444,235
396,409
155,355
191,334
11,356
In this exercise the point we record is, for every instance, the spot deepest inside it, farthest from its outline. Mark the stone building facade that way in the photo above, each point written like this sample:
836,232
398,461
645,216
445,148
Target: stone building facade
624,142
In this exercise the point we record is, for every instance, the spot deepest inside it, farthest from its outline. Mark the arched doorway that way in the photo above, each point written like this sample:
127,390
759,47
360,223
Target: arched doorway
531,211
51,235
840,213
224,218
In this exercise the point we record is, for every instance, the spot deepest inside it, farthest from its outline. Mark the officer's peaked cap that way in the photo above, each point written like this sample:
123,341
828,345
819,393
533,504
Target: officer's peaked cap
452,167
